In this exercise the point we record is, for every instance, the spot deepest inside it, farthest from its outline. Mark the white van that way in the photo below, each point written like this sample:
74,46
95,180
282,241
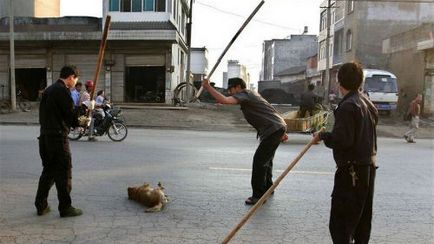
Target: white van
382,89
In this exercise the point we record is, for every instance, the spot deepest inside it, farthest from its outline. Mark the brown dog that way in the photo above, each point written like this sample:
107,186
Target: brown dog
153,198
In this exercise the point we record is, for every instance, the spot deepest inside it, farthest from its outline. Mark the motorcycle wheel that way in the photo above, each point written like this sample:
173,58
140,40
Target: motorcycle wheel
117,131
75,133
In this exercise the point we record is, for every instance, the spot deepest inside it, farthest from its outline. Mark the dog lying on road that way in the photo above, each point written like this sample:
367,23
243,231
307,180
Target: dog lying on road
153,198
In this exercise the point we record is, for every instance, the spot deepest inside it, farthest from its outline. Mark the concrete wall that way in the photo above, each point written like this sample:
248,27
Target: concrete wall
281,54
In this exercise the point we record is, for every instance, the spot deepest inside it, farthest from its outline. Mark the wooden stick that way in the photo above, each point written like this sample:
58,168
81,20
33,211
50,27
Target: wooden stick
100,55
266,194
228,46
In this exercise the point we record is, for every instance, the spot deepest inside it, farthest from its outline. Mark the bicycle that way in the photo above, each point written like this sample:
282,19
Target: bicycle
22,103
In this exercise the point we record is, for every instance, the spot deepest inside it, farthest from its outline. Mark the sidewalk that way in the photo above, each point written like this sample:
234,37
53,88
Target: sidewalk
212,118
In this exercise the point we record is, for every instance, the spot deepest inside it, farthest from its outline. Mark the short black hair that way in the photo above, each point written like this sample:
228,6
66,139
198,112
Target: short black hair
350,76
310,87
232,82
99,92
68,70
78,84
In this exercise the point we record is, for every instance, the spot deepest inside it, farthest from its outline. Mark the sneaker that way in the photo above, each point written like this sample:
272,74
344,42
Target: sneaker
44,211
71,212
411,141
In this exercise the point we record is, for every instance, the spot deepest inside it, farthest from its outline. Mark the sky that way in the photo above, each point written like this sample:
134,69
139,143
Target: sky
215,22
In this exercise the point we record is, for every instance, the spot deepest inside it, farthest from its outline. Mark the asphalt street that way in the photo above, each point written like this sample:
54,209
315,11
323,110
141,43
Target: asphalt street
207,177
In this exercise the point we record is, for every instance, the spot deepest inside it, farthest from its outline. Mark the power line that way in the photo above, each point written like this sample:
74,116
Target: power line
238,15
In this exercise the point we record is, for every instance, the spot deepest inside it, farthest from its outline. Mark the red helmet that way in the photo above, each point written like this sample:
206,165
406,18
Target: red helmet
89,83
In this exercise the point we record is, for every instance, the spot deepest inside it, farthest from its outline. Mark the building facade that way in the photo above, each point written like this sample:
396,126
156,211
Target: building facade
144,60
416,76
199,64
31,8
235,69
358,28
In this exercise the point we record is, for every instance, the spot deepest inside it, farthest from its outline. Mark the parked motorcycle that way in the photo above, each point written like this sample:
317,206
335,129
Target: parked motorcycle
111,124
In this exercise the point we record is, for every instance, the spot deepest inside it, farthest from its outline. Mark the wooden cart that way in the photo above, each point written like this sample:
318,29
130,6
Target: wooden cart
305,125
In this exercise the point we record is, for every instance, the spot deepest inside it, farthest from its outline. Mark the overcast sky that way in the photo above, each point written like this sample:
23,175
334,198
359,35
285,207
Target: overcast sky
215,22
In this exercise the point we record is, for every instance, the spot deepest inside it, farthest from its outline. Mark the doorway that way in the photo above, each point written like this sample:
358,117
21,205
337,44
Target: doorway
145,84
30,81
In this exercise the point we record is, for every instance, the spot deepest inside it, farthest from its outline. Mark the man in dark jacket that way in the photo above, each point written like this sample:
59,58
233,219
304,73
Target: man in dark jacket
56,117
354,143
270,126
308,100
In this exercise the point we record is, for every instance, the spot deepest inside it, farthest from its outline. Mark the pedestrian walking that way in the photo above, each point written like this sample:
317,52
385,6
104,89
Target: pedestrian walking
270,126
354,143
56,116
414,112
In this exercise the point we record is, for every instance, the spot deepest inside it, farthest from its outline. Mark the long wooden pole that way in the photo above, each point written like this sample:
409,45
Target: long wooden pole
266,195
228,46
98,68
100,55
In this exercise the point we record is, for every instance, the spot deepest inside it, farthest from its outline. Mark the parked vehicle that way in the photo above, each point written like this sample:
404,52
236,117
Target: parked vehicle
382,89
112,125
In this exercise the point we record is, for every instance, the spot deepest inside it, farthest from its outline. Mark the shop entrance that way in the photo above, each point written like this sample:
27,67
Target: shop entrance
145,84
31,81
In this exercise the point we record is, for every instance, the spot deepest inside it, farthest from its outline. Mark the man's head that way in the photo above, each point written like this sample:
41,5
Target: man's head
350,76
78,86
88,85
310,87
69,74
236,85
418,98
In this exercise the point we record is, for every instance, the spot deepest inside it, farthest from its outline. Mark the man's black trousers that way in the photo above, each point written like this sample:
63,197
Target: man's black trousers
263,163
351,207
56,163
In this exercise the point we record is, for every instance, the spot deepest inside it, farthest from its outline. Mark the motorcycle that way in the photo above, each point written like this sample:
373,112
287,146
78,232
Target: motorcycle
111,124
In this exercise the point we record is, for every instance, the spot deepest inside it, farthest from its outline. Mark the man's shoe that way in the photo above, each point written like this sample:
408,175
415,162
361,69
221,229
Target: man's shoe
411,141
71,212
41,212
252,201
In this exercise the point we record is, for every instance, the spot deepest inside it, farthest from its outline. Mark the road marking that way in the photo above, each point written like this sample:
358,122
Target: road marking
279,170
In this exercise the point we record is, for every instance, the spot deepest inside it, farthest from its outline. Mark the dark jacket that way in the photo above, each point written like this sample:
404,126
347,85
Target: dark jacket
354,136
308,99
56,110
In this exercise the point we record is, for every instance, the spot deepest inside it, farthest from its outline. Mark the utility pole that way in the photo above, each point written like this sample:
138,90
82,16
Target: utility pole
327,70
12,56
189,25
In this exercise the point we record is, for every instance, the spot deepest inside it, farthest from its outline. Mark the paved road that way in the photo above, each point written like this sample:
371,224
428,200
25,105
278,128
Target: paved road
207,176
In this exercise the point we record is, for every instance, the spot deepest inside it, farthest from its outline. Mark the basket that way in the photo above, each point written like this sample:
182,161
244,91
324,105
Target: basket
296,124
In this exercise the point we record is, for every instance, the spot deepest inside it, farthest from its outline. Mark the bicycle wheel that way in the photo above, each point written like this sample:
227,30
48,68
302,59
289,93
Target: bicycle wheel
117,131
25,105
76,133
180,93
5,108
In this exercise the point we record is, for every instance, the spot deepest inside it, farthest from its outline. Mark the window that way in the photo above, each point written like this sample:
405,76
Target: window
137,5
114,5
323,21
160,5
148,5
125,5
349,40
350,6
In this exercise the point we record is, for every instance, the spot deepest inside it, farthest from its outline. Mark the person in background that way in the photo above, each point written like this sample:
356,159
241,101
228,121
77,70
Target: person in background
354,143
414,110
56,116
308,100
75,94
271,128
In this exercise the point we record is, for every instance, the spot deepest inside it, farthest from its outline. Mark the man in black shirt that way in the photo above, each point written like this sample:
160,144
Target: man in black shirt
354,143
56,117
308,100
270,126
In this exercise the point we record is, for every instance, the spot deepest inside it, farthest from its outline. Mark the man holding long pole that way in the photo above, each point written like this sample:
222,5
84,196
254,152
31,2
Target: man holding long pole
270,126
354,143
